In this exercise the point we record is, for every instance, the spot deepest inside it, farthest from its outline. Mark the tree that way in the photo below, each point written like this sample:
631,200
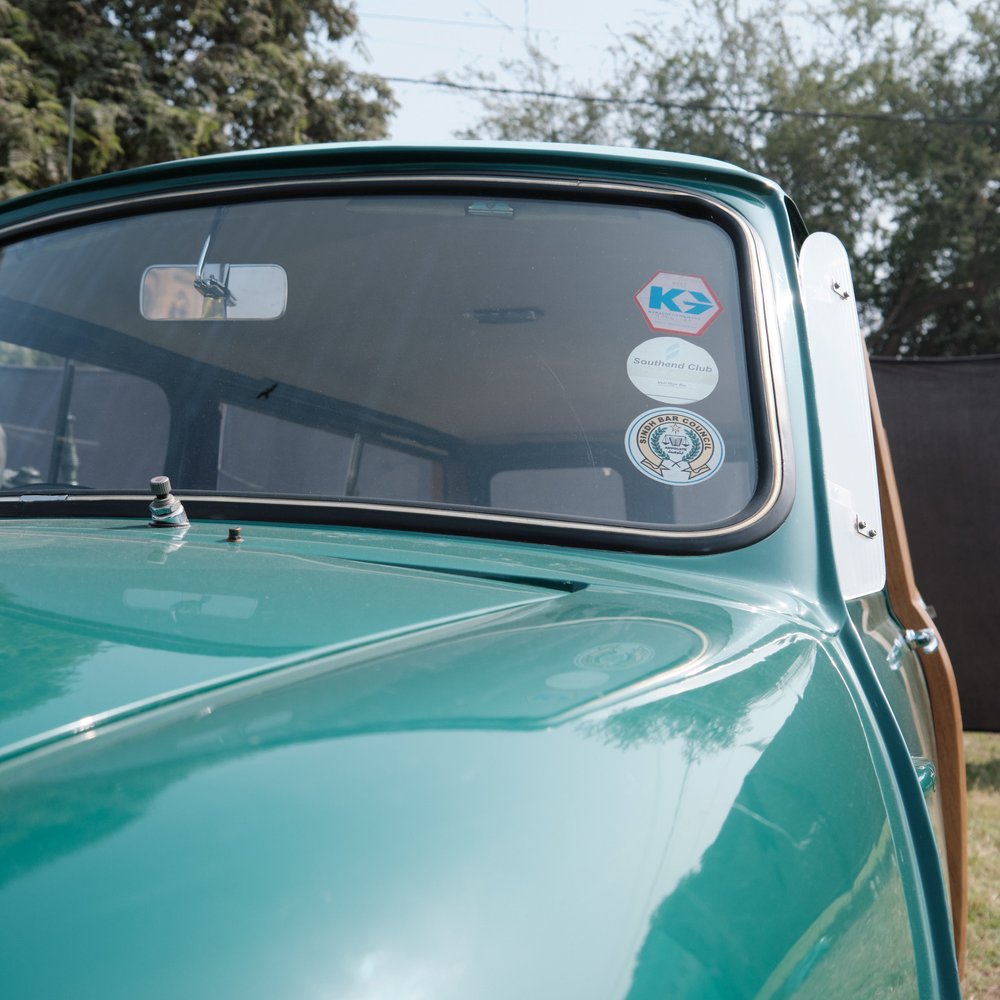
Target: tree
153,81
881,118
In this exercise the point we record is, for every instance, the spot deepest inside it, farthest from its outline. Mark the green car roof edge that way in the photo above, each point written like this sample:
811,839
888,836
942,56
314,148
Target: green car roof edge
307,158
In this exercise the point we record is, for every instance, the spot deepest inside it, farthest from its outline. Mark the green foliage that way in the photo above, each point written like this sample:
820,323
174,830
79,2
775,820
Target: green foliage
156,81
16,354
982,974
881,119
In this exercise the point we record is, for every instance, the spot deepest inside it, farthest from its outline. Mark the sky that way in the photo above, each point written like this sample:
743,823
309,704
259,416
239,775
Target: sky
422,41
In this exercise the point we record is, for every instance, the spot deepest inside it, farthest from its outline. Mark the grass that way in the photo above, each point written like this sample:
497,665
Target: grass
982,765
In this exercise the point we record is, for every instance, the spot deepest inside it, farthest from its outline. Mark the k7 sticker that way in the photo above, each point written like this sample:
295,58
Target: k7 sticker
678,303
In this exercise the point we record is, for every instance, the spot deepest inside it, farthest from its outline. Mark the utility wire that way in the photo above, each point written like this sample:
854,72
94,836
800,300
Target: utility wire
648,102
447,22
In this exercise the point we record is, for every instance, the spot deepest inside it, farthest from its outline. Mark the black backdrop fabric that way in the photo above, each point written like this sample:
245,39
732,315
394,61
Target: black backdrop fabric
942,418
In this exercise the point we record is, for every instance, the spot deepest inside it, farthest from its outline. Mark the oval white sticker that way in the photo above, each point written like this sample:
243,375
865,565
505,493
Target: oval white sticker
673,371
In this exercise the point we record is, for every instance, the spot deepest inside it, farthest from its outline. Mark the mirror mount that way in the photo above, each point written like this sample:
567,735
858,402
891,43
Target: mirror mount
209,285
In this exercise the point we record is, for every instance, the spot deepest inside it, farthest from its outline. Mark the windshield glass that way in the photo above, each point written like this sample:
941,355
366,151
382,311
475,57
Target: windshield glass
513,356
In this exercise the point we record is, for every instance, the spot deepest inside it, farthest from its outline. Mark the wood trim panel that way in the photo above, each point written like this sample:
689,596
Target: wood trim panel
908,607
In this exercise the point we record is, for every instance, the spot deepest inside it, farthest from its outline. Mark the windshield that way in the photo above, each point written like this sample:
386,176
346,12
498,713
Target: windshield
512,356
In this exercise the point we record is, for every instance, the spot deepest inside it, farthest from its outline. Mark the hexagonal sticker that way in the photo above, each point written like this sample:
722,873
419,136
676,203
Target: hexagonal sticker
678,303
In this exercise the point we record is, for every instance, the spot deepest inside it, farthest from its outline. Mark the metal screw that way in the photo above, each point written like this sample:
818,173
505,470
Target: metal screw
924,639
863,529
159,486
235,535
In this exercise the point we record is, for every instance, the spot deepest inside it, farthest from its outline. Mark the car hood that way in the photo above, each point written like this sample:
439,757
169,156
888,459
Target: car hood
348,764
110,616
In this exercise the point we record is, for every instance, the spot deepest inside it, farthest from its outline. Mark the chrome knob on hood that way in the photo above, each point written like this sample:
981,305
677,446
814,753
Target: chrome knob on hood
166,511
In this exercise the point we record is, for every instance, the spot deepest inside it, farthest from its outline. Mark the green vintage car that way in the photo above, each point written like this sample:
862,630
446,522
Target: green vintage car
457,572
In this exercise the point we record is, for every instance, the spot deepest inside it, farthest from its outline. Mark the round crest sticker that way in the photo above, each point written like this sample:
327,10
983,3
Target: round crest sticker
673,371
674,446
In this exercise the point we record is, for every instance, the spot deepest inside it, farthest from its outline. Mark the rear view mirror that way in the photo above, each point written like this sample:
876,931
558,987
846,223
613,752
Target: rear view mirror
218,291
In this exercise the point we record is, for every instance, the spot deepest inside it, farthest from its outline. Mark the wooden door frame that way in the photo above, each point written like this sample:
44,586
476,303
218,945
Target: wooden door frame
911,612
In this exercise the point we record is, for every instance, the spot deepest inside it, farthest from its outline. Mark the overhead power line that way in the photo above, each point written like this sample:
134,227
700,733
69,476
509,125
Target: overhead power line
450,22
649,102
446,22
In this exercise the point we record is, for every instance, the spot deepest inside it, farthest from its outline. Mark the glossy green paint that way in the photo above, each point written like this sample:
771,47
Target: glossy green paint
209,609
598,778
344,159
332,762
901,679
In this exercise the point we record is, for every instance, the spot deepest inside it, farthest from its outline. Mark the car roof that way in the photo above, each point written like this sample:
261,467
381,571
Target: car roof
314,159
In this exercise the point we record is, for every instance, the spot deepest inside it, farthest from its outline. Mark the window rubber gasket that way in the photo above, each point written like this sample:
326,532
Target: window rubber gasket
764,513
